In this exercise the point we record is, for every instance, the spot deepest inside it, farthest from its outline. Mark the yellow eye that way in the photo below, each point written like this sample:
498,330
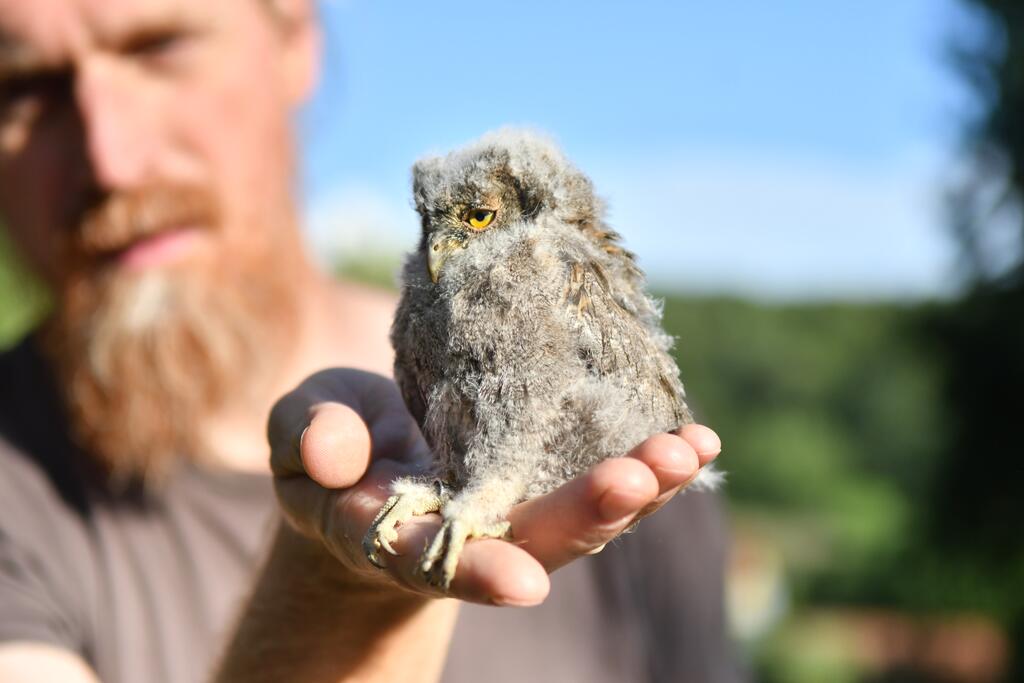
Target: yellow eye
479,219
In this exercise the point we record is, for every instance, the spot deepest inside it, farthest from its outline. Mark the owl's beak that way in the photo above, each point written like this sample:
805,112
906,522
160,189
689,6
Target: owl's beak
438,252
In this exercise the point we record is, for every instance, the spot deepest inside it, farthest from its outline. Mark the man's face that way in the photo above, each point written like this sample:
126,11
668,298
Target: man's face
118,98
146,175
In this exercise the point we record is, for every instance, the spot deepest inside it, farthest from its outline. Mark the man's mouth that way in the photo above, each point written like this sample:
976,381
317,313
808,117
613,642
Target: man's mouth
159,249
143,228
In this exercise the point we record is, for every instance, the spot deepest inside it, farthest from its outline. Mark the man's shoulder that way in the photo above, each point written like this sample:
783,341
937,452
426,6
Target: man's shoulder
46,565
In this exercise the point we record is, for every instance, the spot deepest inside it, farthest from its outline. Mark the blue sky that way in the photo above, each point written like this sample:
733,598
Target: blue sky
794,149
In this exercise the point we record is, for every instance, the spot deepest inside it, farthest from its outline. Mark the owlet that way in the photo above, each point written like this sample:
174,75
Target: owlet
526,347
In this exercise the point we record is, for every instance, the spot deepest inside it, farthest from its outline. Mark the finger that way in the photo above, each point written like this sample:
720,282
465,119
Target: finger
500,573
672,459
334,448
376,399
674,462
490,571
704,441
373,398
585,513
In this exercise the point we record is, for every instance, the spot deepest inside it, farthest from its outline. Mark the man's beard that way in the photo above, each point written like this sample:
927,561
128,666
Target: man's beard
145,359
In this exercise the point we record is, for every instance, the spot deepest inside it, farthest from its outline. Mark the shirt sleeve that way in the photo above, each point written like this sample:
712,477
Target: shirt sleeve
29,609
42,567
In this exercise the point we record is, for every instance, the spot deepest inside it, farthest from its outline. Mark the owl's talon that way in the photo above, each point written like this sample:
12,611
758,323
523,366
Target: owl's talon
415,498
374,558
438,547
387,546
441,559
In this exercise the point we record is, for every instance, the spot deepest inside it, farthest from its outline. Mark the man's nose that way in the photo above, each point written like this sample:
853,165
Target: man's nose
115,124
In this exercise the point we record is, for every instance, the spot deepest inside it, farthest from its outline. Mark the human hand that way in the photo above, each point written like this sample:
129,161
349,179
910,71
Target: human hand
343,435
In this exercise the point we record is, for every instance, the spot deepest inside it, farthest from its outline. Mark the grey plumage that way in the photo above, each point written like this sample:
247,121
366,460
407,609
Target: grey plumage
535,354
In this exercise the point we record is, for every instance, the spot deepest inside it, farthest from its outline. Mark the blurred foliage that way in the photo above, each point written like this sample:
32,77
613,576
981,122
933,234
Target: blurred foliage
829,416
372,266
832,416
22,300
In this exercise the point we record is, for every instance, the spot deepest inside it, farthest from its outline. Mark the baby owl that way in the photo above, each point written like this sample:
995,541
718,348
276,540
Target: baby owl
526,347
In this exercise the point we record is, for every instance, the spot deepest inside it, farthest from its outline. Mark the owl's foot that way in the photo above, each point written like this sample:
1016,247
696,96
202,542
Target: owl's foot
412,497
442,557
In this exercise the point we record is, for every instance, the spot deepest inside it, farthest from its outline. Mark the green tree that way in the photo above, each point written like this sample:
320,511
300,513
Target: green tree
977,503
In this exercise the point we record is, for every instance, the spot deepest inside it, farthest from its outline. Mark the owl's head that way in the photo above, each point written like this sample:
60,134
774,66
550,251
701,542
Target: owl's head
503,178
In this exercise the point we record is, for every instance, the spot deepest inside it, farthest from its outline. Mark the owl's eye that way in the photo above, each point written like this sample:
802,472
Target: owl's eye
479,219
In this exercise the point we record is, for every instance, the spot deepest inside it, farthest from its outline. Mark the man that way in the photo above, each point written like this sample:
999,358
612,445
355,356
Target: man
146,165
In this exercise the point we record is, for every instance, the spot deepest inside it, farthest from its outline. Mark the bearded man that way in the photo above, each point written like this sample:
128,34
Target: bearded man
146,175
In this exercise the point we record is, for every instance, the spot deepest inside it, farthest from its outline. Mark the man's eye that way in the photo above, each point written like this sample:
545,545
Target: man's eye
158,45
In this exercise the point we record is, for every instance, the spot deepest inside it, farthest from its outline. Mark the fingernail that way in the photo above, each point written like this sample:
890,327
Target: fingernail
616,505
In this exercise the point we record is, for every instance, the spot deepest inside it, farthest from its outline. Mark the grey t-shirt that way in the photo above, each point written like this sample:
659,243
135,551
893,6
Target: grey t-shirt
145,584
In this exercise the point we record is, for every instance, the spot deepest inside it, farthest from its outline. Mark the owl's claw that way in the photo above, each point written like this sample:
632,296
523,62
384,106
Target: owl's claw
374,558
372,541
411,499
441,558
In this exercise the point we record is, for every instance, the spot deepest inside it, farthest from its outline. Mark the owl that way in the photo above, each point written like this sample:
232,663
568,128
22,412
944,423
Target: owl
525,345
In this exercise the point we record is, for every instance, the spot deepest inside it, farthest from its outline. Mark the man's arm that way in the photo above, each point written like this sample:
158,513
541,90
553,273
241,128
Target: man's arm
310,621
322,612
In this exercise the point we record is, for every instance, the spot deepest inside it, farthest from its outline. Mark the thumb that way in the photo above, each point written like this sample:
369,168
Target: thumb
335,446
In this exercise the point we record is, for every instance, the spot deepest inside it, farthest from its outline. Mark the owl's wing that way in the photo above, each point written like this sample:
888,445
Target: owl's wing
614,341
